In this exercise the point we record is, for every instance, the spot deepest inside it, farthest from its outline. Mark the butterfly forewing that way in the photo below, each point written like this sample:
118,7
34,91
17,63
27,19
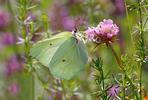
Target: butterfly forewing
44,50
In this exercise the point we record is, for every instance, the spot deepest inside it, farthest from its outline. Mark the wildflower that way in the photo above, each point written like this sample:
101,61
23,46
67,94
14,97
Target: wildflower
20,41
107,28
4,18
13,65
68,23
113,90
13,88
91,32
29,17
60,19
50,97
7,38
28,20
119,7
56,94
105,32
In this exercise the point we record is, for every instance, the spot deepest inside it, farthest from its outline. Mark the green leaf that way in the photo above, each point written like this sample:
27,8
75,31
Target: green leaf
63,54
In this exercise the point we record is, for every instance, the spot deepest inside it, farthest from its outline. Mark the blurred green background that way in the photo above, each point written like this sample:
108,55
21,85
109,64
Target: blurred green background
54,16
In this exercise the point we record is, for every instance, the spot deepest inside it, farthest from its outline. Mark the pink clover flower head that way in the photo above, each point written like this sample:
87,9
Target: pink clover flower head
107,28
13,88
113,90
91,32
105,32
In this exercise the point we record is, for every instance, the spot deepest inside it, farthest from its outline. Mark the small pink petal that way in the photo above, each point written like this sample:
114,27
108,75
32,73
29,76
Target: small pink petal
109,35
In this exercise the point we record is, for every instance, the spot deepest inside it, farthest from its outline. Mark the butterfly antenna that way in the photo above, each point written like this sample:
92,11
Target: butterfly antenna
76,28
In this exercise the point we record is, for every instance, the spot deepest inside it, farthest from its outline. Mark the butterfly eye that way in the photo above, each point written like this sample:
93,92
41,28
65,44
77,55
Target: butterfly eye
75,31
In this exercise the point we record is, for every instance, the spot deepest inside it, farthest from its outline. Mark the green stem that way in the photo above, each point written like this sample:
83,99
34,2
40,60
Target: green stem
23,11
142,46
123,69
45,24
127,15
123,85
103,85
103,81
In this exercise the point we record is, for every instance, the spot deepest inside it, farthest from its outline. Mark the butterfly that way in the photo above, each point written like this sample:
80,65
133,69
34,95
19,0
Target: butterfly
63,54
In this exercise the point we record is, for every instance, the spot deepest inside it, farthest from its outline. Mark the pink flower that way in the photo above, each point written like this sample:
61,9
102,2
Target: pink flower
13,88
7,38
13,65
107,28
59,18
103,33
119,7
4,18
113,90
67,23
91,32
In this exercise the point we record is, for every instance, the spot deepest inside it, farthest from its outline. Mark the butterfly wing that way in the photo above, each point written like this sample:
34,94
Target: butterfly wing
62,54
44,50
69,59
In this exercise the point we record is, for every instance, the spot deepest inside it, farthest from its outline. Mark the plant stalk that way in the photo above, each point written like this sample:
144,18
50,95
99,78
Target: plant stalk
123,69
127,16
142,46
103,85
123,85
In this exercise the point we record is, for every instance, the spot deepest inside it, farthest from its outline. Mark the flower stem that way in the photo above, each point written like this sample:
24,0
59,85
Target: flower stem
22,16
117,58
123,69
